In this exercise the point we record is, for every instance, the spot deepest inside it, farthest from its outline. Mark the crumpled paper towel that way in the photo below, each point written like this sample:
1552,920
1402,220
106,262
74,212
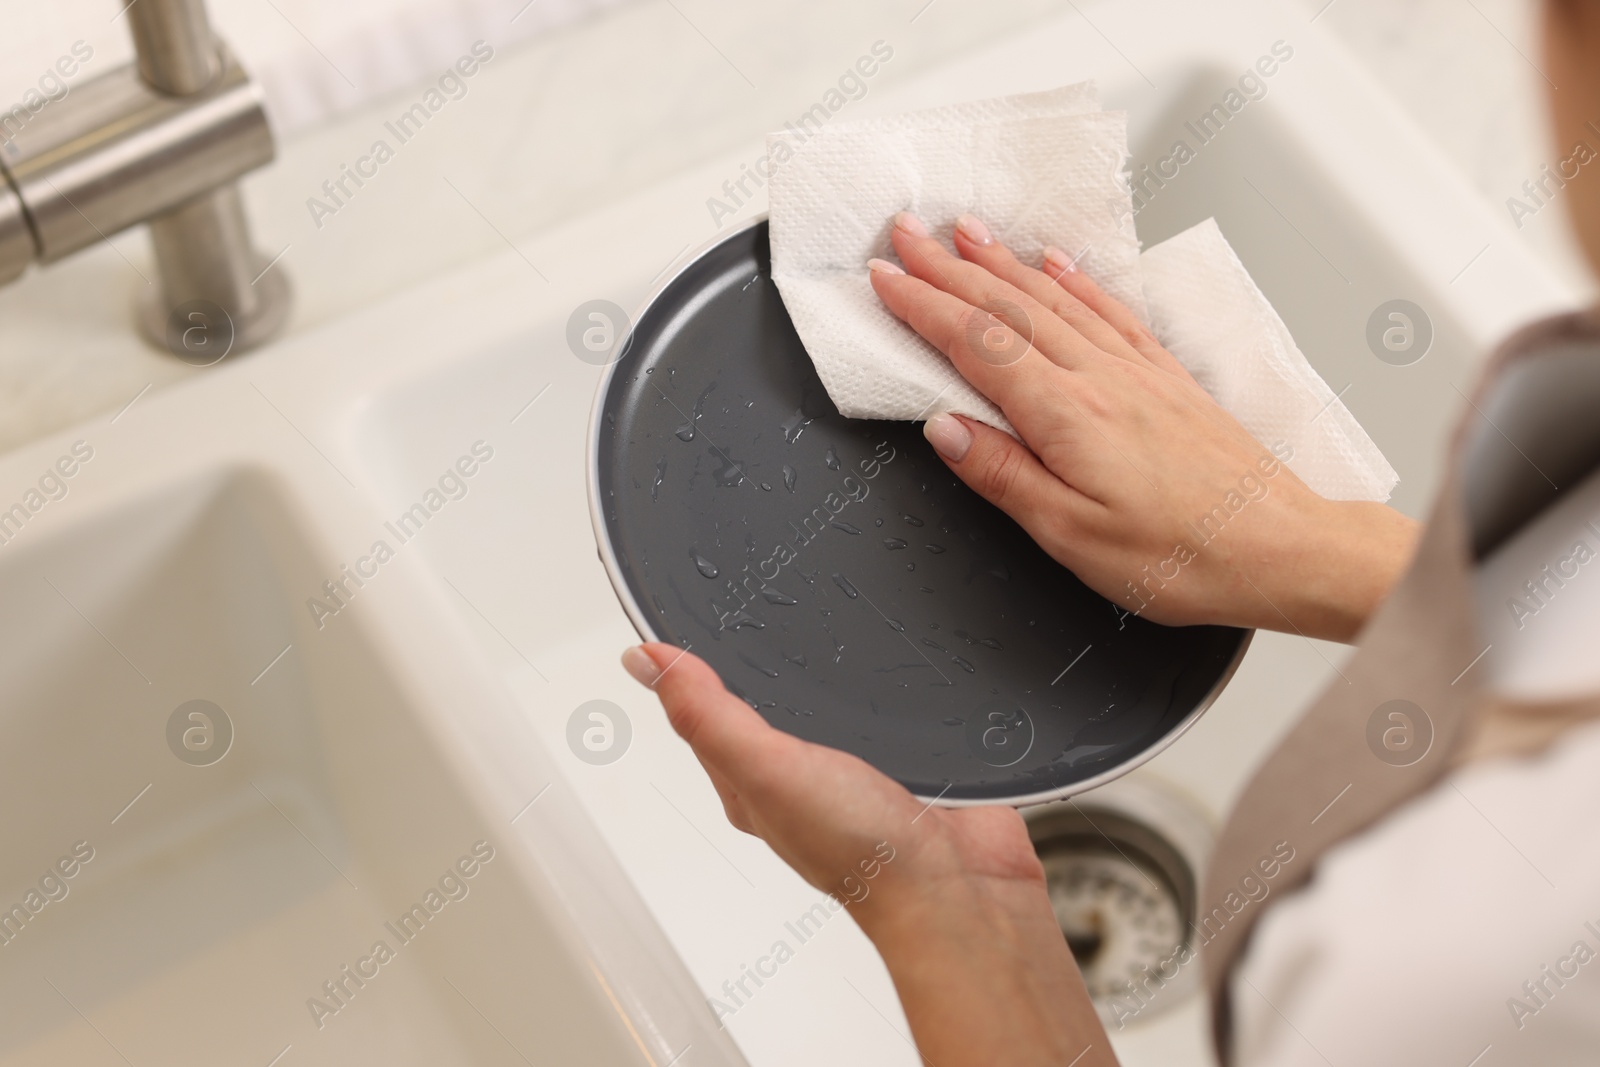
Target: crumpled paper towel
1210,315
1039,168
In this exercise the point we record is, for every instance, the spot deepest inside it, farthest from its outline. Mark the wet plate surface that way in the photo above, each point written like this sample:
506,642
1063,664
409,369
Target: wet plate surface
847,585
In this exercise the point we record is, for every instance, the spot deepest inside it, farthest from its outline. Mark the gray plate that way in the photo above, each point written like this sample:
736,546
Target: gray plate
844,582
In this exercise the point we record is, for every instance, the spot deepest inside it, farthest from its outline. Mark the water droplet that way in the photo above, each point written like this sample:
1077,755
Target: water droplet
831,458
703,565
748,662
700,402
685,432
766,486
661,476
963,664
894,543
877,522
896,625
844,583
989,642
912,520
728,473
795,425
844,526
911,566
749,403
801,711
937,550
955,721
789,477
838,646
798,659
775,596
931,643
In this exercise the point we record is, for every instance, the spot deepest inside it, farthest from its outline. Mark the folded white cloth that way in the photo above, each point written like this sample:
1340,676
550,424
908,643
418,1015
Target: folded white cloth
1040,169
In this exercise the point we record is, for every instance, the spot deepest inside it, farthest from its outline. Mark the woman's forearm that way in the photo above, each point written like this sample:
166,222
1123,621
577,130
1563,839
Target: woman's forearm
985,977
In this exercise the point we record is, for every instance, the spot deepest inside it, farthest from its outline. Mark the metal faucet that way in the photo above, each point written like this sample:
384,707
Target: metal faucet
160,141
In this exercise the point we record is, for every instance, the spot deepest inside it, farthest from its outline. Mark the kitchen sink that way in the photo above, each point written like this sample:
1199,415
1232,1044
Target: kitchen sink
241,828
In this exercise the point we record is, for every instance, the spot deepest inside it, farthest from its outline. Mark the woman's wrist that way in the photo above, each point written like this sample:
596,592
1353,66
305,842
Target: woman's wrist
1330,573
985,976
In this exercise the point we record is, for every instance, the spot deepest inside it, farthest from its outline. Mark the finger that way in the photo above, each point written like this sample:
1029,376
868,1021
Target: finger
978,245
1063,271
724,731
998,362
1006,474
924,257
782,784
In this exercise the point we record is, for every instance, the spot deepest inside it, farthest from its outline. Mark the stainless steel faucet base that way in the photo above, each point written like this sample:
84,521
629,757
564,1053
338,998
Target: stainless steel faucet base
217,294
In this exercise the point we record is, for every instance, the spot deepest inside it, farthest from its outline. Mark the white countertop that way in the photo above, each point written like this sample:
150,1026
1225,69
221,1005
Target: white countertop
589,112
558,126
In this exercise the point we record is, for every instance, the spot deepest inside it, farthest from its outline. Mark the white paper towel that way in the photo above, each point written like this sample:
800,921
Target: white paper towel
1039,168
1212,317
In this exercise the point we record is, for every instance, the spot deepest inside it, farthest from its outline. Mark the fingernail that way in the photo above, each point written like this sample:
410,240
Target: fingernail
908,222
883,266
637,662
948,435
973,229
1058,261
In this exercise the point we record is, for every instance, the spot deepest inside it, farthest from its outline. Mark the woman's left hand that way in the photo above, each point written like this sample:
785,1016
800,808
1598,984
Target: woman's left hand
953,898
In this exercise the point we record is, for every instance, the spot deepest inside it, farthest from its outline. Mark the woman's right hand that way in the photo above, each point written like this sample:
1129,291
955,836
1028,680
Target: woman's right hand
1128,472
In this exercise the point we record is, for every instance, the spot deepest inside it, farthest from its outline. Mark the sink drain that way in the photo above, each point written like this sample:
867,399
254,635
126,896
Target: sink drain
1122,867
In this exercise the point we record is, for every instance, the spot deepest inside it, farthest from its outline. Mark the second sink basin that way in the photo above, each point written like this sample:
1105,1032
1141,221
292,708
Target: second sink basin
234,831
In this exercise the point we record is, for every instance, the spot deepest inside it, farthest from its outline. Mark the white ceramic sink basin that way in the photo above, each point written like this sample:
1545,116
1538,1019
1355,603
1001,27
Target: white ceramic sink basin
377,740
216,889
234,833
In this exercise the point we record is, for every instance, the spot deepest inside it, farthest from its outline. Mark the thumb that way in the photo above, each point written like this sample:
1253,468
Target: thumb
996,466
725,732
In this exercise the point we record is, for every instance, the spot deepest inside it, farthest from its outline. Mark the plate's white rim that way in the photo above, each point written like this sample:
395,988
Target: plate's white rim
613,567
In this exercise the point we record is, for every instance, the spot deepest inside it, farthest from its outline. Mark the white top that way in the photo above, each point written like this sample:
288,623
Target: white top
1465,928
